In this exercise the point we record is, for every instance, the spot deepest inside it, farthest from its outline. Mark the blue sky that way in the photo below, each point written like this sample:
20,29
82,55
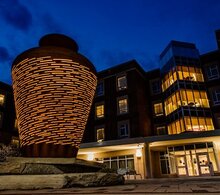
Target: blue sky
108,32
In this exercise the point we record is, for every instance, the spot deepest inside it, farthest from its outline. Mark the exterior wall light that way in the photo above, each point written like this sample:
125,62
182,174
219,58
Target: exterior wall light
90,156
139,152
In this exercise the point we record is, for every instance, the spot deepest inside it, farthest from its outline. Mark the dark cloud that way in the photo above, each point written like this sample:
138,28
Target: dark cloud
15,14
4,55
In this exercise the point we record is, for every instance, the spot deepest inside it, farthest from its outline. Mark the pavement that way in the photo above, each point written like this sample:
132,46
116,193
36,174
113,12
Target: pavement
189,185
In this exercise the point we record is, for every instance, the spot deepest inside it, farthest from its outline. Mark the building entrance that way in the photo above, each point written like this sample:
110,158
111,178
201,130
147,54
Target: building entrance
191,160
181,165
204,164
194,165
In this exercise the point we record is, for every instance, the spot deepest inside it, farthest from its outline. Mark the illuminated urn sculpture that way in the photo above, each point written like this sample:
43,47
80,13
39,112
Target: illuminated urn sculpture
53,91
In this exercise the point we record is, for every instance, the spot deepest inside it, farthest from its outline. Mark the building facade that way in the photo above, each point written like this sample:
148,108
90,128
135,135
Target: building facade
162,123
8,128
211,68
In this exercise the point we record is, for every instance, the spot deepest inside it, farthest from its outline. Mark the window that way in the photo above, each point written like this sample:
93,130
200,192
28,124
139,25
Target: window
188,97
121,82
118,162
155,86
123,129
164,163
122,105
212,72
190,124
216,96
99,111
100,134
182,73
161,130
158,109
2,99
100,89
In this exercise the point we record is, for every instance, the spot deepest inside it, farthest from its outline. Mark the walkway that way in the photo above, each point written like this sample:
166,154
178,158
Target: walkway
204,185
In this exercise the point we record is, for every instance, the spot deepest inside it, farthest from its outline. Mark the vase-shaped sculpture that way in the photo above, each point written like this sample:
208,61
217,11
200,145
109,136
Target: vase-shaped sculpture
53,91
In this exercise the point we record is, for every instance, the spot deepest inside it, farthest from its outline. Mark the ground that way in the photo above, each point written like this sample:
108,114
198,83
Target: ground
202,185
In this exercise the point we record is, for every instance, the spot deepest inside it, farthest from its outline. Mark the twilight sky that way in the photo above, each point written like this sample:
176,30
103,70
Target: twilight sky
108,32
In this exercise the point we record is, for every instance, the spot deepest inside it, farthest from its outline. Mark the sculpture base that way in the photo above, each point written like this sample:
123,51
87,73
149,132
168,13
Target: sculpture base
44,150
43,173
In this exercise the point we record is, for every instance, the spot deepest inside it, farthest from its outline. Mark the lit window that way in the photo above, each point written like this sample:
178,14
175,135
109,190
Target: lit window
190,124
100,134
119,162
155,87
99,111
123,105
212,72
216,96
161,130
190,98
158,109
121,82
123,129
100,89
182,73
2,99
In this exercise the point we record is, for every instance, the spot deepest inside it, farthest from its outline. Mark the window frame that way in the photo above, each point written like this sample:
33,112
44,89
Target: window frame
209,72
103,88
97,105
127,131
162,106
99,128
117,82
159,86
164,128
215,94
118,105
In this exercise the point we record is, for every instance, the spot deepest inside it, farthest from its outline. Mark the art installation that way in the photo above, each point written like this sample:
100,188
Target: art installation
53,91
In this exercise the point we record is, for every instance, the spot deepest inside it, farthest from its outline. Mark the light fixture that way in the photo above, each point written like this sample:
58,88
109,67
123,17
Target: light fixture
139,151
90,156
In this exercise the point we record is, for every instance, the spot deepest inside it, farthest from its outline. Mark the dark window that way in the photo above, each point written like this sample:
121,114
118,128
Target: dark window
212,72
123,129
216,96
155,87
100,89
162,130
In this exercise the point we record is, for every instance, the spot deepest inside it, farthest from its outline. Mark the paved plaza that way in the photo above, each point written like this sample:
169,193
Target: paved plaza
204,185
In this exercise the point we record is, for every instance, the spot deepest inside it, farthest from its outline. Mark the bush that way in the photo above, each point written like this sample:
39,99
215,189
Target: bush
8,151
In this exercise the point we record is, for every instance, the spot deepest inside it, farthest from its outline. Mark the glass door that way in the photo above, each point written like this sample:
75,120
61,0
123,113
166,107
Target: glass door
204,164
181,165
